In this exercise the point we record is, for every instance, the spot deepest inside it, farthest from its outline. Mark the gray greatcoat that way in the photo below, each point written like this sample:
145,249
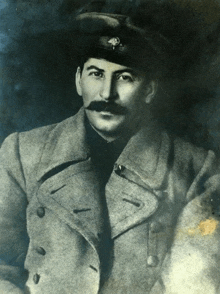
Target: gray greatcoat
164,237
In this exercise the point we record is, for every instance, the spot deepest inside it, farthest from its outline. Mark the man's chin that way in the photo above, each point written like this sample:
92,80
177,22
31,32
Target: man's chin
106,122
111,129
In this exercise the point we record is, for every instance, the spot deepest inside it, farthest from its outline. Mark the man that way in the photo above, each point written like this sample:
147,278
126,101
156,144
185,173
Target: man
105,202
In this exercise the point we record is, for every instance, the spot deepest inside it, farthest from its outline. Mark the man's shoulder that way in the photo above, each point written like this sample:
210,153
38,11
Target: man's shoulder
30,145
41,134
188,155
52,132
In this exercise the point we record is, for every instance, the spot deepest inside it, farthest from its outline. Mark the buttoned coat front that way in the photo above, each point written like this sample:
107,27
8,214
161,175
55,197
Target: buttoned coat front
55,218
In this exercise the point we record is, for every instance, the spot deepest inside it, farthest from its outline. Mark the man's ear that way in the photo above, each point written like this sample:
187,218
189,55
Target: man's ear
151,91
78,81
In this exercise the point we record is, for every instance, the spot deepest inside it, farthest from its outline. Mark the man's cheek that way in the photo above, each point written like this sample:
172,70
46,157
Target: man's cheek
86,98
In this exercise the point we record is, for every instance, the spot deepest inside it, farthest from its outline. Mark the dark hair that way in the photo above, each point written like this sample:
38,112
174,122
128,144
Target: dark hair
82,61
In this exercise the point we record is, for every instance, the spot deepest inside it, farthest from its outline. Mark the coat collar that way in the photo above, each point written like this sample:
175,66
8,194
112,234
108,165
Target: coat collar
66,143
146,153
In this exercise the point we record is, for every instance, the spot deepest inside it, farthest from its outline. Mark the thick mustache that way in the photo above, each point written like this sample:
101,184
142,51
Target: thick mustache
106,106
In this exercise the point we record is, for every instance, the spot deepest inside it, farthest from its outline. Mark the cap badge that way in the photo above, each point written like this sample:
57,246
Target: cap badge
114,42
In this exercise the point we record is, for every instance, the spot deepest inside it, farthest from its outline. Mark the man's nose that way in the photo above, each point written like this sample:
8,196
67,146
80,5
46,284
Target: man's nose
108,89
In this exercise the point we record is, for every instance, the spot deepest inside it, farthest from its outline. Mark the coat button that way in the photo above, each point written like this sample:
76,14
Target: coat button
152,260
161,194
41,211
156,227
36,278
40,250
121,167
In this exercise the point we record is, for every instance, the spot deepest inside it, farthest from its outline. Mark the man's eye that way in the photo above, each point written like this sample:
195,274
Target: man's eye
126,78
96,74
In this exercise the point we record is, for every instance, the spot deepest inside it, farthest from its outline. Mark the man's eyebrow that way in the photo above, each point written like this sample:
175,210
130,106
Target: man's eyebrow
94,67
128,70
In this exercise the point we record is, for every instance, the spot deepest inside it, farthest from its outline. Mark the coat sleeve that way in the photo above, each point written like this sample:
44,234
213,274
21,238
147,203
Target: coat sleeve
193,264
13,203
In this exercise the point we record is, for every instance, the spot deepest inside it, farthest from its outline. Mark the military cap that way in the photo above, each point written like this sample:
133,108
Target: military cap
116,38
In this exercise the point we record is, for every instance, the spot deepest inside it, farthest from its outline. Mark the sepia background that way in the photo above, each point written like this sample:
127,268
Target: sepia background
38,63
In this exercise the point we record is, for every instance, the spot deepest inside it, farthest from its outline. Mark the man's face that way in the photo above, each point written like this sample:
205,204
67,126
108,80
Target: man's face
114,95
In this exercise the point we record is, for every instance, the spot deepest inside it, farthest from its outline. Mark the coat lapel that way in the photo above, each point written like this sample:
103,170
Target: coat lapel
76,196
66,143
128,203
137,180
147,155
68,184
